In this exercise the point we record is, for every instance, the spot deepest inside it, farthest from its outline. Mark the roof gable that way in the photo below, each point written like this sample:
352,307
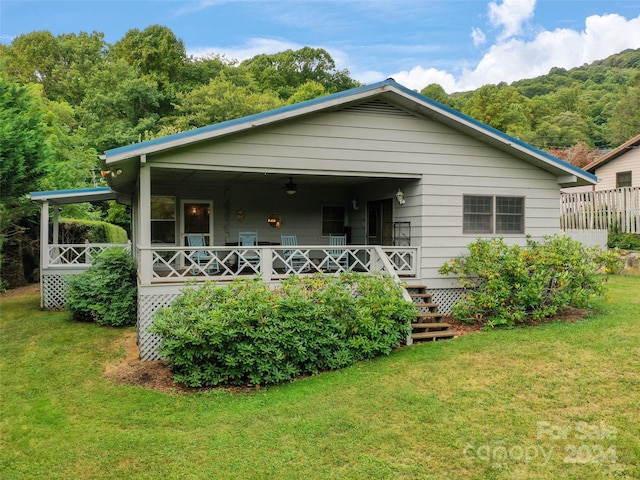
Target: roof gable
381,93
613,154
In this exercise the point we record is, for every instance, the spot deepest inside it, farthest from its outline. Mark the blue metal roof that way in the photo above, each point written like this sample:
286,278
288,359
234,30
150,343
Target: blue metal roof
479,126
75,195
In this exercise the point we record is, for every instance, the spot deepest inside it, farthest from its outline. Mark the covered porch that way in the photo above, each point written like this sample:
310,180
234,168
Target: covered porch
191,224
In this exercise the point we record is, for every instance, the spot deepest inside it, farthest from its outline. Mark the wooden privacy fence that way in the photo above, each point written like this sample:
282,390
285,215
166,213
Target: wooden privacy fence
617,209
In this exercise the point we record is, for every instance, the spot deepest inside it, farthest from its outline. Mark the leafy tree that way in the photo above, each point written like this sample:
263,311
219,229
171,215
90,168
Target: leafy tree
307,91
157,54
62,64
154,51
286,71
25,154
218,101
625,118
120,106
579,154
437,93
501,107
32,58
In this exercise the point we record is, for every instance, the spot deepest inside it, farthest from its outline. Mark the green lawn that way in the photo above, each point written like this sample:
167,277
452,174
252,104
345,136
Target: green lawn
554,401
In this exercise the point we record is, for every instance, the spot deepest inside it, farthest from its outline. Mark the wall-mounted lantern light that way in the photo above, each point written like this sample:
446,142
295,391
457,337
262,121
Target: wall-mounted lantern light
400,197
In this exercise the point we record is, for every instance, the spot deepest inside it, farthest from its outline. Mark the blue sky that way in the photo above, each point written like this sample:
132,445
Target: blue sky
460,44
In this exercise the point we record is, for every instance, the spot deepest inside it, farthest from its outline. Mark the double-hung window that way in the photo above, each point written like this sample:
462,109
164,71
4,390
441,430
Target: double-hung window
493,214
332,220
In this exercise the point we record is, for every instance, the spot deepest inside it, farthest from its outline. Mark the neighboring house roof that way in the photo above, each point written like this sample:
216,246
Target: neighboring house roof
61,197
613,154
388,90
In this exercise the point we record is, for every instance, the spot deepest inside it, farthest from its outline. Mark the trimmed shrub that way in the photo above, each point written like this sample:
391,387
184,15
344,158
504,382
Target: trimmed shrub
106,292
624,241
246,333
74,231
507,285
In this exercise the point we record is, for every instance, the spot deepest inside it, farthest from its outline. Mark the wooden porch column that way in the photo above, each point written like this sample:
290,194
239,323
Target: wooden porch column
144,221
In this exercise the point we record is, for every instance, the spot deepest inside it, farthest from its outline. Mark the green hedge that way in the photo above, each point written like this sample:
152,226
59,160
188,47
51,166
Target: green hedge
76,231
247,333
624,241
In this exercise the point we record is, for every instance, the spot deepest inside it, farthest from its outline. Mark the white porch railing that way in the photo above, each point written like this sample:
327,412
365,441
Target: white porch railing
177,264
601,210
78,255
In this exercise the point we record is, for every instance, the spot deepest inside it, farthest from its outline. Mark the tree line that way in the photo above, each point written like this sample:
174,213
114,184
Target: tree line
65,99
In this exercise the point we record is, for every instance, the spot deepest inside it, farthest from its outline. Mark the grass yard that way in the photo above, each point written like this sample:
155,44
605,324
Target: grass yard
560,400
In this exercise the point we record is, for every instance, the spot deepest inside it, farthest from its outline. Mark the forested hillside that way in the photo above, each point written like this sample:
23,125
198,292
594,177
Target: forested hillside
65,99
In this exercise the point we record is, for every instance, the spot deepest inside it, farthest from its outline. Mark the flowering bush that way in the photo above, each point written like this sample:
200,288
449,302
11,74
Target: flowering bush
506,285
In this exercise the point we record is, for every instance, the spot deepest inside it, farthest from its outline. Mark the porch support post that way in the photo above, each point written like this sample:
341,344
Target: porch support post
266,263
44,243
144,237
56,224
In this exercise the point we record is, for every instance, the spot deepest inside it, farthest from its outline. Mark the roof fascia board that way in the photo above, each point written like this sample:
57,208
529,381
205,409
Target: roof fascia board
615,153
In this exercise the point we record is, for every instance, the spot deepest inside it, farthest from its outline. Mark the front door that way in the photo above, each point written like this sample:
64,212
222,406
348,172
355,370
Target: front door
197,218
380,222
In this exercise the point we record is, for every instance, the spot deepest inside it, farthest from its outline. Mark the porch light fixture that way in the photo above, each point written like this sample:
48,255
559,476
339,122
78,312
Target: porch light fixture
400,197
274,220
354,204
291,187
114,173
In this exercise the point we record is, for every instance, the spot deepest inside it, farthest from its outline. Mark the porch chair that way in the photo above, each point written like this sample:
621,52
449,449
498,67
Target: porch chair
338,256
295,261
208,264
248,258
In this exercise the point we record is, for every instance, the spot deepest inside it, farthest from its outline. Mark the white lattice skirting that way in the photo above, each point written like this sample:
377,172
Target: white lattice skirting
445,298
148,343
53,295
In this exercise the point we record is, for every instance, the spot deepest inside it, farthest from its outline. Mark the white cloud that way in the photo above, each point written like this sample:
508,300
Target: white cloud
516,59
478,37
193,7
510,15
251,48
418,78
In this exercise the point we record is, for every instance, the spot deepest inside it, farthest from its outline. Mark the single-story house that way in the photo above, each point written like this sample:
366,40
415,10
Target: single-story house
377,178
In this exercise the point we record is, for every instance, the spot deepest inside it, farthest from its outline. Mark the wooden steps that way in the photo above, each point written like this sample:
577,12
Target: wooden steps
428,324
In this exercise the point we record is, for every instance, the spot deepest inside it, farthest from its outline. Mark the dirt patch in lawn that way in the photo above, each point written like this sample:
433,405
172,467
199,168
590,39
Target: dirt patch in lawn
568,314
30,289
149,374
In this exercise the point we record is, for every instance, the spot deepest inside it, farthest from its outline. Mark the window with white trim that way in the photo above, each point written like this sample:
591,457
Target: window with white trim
492,214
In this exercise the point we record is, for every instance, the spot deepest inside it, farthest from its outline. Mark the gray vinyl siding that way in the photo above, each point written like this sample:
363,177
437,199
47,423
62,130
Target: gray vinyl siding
440,165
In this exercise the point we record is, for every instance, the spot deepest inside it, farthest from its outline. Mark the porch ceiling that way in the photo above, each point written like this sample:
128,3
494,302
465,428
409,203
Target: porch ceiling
275,180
